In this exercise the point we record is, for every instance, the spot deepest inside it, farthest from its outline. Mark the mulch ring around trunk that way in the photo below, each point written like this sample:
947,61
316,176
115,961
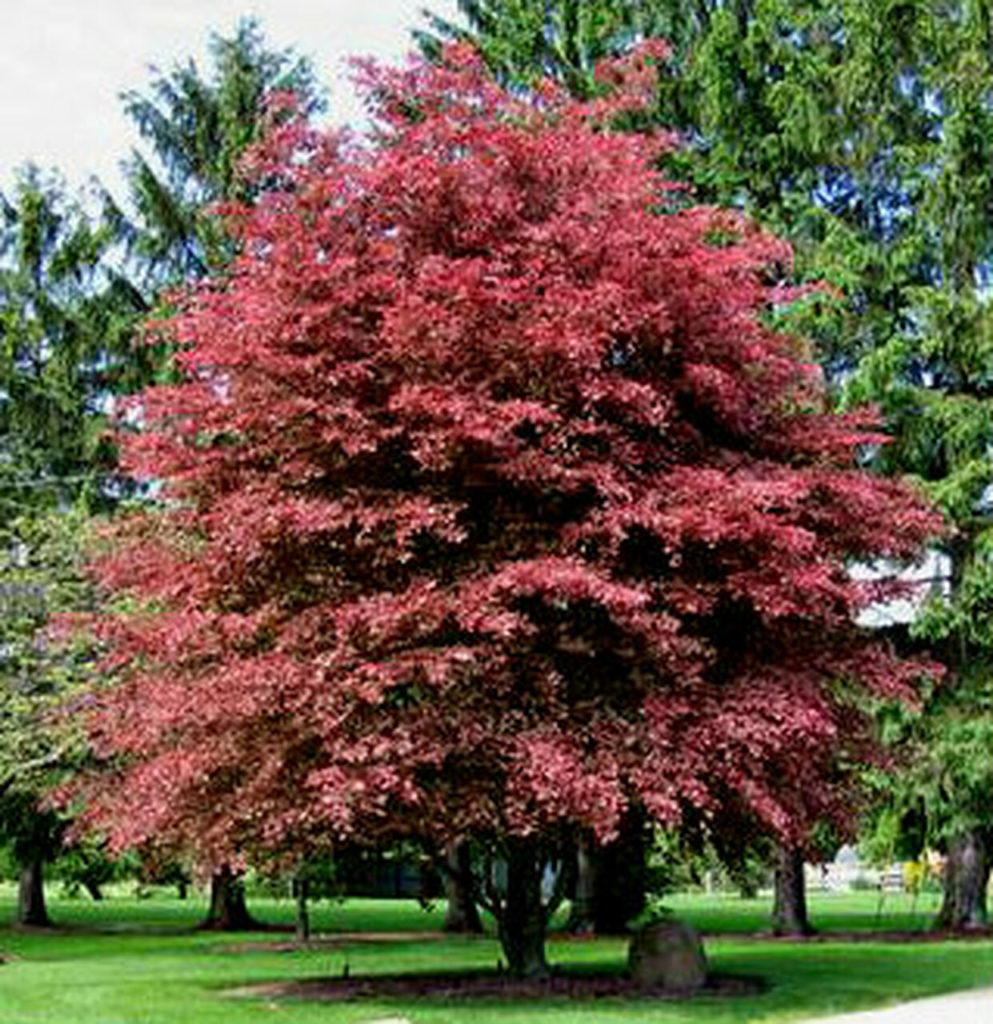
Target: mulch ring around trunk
489,985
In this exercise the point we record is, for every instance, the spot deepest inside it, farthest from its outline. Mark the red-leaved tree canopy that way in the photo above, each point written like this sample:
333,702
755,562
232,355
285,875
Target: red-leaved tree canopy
493,506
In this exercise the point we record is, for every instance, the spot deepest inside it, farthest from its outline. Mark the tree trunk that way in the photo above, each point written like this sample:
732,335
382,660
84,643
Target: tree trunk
620,877
93,888
31,909
967,871
522,921
301,891
789,912
228,912
581,917
461,914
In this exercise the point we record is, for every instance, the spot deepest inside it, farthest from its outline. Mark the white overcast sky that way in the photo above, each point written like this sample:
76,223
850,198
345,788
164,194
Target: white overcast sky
64,62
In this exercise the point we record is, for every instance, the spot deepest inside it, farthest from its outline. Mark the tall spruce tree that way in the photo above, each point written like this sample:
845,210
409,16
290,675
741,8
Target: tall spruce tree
64,328
197,125
935,381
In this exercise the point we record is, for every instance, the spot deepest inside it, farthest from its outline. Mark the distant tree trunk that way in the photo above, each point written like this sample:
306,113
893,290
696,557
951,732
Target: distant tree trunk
581,919
620,877
93,888
789,912
747,882
301,892
522,921
228,912
461,914
31,909
967,872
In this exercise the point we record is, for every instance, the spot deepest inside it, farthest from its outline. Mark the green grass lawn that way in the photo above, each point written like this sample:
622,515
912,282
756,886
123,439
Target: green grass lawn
719,914
129,961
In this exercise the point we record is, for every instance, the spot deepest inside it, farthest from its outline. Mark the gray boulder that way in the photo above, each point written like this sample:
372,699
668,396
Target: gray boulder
667,954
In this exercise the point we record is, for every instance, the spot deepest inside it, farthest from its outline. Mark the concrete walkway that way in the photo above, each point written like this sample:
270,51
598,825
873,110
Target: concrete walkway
974,1006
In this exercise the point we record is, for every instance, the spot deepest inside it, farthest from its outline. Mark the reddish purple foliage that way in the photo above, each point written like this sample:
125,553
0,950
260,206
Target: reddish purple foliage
496,506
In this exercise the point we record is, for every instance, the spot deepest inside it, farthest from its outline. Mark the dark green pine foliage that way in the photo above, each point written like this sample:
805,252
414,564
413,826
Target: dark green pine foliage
863,131
41,682
197,125
65,328
526,39
935,381
523,40
66,322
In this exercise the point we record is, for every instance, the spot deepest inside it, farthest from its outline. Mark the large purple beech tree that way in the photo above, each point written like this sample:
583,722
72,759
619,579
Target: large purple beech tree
495,509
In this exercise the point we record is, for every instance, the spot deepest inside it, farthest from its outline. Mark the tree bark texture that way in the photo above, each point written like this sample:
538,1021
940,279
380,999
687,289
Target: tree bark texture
522,921
789,912
967,872
228,911
31,909
581,918
461,914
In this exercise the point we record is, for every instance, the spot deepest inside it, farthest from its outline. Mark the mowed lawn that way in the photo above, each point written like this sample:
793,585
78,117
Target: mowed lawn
129,961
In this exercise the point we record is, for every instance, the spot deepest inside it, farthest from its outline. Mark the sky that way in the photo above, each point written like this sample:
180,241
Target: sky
64,62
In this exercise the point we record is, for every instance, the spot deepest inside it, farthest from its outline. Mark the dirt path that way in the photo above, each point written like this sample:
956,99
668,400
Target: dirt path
971,1007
